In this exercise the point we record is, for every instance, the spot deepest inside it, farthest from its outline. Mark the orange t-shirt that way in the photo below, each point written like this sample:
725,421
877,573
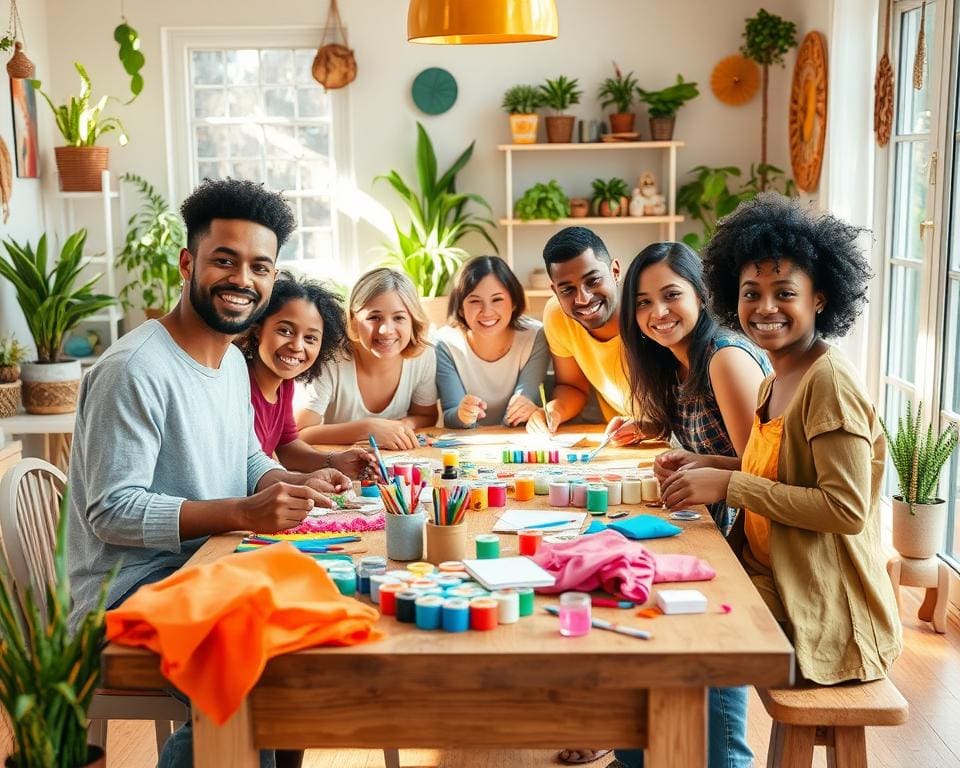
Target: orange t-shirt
760,458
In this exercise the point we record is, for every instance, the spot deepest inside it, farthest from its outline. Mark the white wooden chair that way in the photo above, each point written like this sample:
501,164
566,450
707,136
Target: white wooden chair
30,496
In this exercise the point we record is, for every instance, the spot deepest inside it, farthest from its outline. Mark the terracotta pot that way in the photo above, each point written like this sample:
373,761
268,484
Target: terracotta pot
604,208
80,167
51,387
921,534
523,128
98,759
622,122
559,128
579,207
9,373
661,128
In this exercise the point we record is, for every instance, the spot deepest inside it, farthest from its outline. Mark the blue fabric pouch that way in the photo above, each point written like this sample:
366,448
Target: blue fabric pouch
638,527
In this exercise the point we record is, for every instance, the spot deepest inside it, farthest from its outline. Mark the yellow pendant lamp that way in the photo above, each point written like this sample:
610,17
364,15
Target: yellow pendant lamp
470,22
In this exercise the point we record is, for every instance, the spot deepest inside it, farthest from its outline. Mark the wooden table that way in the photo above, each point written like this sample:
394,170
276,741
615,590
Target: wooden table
521,686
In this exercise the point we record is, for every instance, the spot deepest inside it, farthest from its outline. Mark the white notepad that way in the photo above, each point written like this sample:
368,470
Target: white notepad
507,572
514,520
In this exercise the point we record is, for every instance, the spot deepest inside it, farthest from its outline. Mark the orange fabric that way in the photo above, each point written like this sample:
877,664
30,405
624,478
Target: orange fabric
760,458
216,625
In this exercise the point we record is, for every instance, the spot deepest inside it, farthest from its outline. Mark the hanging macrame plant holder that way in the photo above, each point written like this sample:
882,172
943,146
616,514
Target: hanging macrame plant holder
19,67
883,89
334,66
920,58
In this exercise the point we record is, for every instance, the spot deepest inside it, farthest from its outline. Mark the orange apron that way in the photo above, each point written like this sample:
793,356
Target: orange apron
760,458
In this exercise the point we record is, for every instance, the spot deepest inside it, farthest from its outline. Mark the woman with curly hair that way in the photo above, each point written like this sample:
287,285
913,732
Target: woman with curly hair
809,479
302,327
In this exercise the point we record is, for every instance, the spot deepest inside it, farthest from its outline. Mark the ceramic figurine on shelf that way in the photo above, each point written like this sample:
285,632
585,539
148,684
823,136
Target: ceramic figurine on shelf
654,204
636,203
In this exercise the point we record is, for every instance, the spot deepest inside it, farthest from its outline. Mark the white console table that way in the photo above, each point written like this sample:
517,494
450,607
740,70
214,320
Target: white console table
46,436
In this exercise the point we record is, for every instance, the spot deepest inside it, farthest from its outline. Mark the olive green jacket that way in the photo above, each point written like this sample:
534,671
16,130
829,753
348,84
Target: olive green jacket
828,583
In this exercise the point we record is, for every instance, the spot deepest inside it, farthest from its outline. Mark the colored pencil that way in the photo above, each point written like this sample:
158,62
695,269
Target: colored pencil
607,625
379,458
553,524
543,402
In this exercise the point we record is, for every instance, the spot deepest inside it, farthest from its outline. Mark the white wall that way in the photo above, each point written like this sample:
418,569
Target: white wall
655,40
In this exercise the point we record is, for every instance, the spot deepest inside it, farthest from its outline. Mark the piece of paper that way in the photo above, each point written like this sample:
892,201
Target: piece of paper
514,520
509,572
521,440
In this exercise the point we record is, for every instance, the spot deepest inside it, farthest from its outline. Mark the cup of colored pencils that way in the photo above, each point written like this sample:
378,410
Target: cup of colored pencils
446,529
404,519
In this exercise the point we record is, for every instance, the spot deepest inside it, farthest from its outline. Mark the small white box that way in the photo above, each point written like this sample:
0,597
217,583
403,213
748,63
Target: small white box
681,601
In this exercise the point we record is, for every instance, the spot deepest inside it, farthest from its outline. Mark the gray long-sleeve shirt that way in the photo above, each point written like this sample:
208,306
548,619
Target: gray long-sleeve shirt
154,429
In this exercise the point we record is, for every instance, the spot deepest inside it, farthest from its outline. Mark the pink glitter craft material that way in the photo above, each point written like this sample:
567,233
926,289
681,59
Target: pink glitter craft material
347,522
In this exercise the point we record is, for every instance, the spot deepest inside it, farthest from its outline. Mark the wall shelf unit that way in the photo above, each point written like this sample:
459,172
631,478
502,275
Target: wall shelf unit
667,224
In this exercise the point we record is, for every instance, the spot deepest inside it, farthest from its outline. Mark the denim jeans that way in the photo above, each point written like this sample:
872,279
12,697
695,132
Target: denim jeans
726,732
178,751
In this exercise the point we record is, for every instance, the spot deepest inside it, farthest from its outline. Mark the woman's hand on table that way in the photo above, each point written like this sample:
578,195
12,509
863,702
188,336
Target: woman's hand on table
278,507
471,409
675,459
625,431
519,410
328,481
353,461
543,421
698,485
393,435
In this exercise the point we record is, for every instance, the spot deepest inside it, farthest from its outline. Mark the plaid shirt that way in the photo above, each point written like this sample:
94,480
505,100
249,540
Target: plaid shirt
698,423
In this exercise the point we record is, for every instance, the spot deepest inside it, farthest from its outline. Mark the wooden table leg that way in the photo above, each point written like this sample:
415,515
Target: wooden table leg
229,744
677,728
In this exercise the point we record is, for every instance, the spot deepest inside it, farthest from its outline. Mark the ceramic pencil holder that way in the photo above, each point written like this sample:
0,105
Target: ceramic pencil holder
446,542
405,536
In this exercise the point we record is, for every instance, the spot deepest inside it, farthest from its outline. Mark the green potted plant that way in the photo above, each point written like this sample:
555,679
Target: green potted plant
663,105
81,122
427,250
53,305
12,353
151,253
610,197
918,456
521,102
618,91
48,673
767,38
543,201
560,95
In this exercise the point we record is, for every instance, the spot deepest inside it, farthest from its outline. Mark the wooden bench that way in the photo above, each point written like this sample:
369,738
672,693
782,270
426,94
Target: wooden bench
833,716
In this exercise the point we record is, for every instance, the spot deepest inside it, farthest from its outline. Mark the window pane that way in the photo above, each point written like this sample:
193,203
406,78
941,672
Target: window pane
315,140
319,245
206,67
292,249
903,309
243,67
954,234
313,102
315,175
209,102
303,65
281,174
951,372
247,169
281,141
953,505
316,212
243,102
212,170
912,105
245,141
279,102
211,141
910,200
276,67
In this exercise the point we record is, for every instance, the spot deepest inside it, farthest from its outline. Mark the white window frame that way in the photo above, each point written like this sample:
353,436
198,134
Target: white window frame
176,44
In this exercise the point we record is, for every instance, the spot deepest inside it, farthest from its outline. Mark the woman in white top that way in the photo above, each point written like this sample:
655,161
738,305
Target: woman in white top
386,386
491,361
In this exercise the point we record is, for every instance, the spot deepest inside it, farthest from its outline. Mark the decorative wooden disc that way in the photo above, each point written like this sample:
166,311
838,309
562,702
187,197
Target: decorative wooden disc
808,111
735,80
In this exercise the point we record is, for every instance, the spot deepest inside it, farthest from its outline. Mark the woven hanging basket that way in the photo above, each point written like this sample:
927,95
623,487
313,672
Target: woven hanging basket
9,399
334,66
19,66
80,167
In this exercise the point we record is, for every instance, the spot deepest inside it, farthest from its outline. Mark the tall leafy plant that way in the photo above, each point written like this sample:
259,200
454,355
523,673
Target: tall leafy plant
918,457
48,674
151,253
618,91
427,249
80,120
50,300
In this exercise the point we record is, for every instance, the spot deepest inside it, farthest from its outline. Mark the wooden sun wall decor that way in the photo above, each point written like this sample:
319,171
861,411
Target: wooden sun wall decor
735,80
808,111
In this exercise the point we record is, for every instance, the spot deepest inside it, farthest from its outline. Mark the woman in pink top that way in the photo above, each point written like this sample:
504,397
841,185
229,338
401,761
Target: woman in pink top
302,327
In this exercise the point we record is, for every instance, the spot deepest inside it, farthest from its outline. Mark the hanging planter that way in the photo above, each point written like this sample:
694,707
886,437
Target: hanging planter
19,66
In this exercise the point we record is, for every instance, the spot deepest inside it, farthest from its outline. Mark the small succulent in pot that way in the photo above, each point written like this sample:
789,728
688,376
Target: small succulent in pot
12,353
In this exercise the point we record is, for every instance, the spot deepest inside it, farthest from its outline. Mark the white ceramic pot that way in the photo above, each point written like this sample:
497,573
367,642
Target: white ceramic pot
50,387
921,534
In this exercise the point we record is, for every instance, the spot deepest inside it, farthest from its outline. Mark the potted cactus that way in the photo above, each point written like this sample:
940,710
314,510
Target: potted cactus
560,95
918,456
521,102
618,91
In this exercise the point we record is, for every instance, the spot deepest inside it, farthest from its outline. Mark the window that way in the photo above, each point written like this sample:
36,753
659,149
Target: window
250,109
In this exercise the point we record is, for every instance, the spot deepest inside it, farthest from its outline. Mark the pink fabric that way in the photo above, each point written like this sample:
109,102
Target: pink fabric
345,522
273,422
612,562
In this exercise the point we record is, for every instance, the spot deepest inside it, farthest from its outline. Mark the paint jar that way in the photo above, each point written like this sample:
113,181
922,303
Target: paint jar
507,456
614,485
523,488
650,489
529,542
421,570
632,490
407,606
559,493
452,567
369,489
541,484
479,497
446,542
427,611
405,536
597,499
488,546
483,613
578,494
455,614
369,566
388,597
574,614
344,575
377,581
450,458
526,600
508,606
404,470
497,495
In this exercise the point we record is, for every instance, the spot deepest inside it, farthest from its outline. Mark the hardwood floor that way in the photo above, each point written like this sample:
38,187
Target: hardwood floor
928,675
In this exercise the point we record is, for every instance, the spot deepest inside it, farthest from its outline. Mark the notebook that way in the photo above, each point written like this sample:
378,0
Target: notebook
504,572
514,520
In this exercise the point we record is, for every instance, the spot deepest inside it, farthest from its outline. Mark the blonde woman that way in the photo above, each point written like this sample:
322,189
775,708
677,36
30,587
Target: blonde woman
385,384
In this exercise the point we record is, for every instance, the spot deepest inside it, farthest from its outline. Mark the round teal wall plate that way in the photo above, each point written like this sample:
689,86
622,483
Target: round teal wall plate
434,91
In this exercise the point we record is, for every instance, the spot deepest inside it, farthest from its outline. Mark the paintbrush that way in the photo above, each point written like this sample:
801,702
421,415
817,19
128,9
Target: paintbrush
607,625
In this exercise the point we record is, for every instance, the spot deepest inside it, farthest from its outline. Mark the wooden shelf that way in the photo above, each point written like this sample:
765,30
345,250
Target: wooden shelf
592,221
598,145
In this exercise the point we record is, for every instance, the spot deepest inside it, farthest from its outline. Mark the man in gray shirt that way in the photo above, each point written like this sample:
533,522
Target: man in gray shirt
164,450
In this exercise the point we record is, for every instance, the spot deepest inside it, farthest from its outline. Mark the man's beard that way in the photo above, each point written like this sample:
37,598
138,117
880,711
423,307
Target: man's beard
203,305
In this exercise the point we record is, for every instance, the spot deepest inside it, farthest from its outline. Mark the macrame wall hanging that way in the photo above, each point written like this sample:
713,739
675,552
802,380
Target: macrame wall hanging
920,59
883,89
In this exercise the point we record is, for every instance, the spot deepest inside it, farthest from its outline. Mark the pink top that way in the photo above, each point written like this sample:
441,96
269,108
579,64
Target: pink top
273,422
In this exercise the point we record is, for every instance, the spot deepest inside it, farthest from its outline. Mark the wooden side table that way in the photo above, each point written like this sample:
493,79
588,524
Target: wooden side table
46,436
930,573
